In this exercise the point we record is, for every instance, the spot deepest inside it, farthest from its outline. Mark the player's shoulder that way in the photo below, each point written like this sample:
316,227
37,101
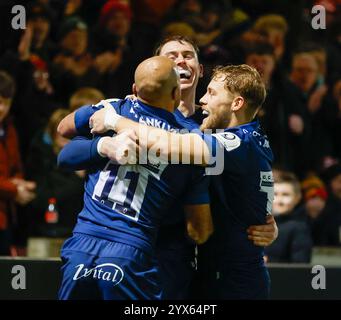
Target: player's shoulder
249,136
231,139
121,106
108,102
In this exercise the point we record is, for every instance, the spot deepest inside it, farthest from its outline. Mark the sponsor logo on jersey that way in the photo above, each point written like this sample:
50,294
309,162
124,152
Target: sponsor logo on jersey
229,140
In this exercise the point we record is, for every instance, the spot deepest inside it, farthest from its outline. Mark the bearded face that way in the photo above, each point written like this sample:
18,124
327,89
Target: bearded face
216,105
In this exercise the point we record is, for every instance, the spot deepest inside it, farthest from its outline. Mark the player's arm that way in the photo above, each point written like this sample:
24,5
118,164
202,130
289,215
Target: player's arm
80,153
188,148
84,153
197,207
67,127
235,157
77,122
199,222
264,235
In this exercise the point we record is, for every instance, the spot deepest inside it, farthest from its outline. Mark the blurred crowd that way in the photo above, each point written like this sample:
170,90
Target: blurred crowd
79,52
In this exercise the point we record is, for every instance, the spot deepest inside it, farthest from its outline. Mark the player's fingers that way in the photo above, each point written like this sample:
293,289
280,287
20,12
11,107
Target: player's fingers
130,144
264,241
138,152
270,219
258,237
260,244
131,134
261,233
265,227
131,97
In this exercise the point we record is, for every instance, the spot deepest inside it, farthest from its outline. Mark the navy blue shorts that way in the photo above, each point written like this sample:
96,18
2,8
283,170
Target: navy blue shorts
99,269
176,274
237,282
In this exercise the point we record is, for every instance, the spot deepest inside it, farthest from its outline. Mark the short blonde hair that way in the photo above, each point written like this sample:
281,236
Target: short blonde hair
244,80
83,96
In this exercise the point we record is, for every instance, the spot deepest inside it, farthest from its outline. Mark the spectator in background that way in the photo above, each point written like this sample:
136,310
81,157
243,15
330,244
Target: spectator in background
330,117
315,198
294,243
53,182
85,96
304,72
151,12
36,102
115,56
14,189
332,232
318,89
307,76
336,124
334,49
188,11
72,8
282,113
30,67
182,29
36,40
73,65
274,28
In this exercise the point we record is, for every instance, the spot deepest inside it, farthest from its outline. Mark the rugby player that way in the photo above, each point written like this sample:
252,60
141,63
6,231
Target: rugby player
111,253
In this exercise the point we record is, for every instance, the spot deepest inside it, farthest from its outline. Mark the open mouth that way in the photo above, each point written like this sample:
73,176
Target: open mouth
184,74
205,113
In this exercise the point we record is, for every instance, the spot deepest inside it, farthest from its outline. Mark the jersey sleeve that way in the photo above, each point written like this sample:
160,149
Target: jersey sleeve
198,193
227,149
80,153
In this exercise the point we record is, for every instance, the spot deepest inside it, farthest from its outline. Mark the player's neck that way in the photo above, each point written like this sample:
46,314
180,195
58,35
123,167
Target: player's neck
160,104
187,103
239,120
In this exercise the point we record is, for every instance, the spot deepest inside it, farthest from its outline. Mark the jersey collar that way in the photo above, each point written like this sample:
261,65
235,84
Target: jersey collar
154,111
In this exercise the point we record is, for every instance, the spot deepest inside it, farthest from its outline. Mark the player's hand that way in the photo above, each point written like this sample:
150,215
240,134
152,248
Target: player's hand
122,148
264,235
101,120
131,97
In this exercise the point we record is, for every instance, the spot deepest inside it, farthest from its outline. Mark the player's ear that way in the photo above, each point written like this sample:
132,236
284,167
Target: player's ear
237,103
176,94
201,74
134,90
